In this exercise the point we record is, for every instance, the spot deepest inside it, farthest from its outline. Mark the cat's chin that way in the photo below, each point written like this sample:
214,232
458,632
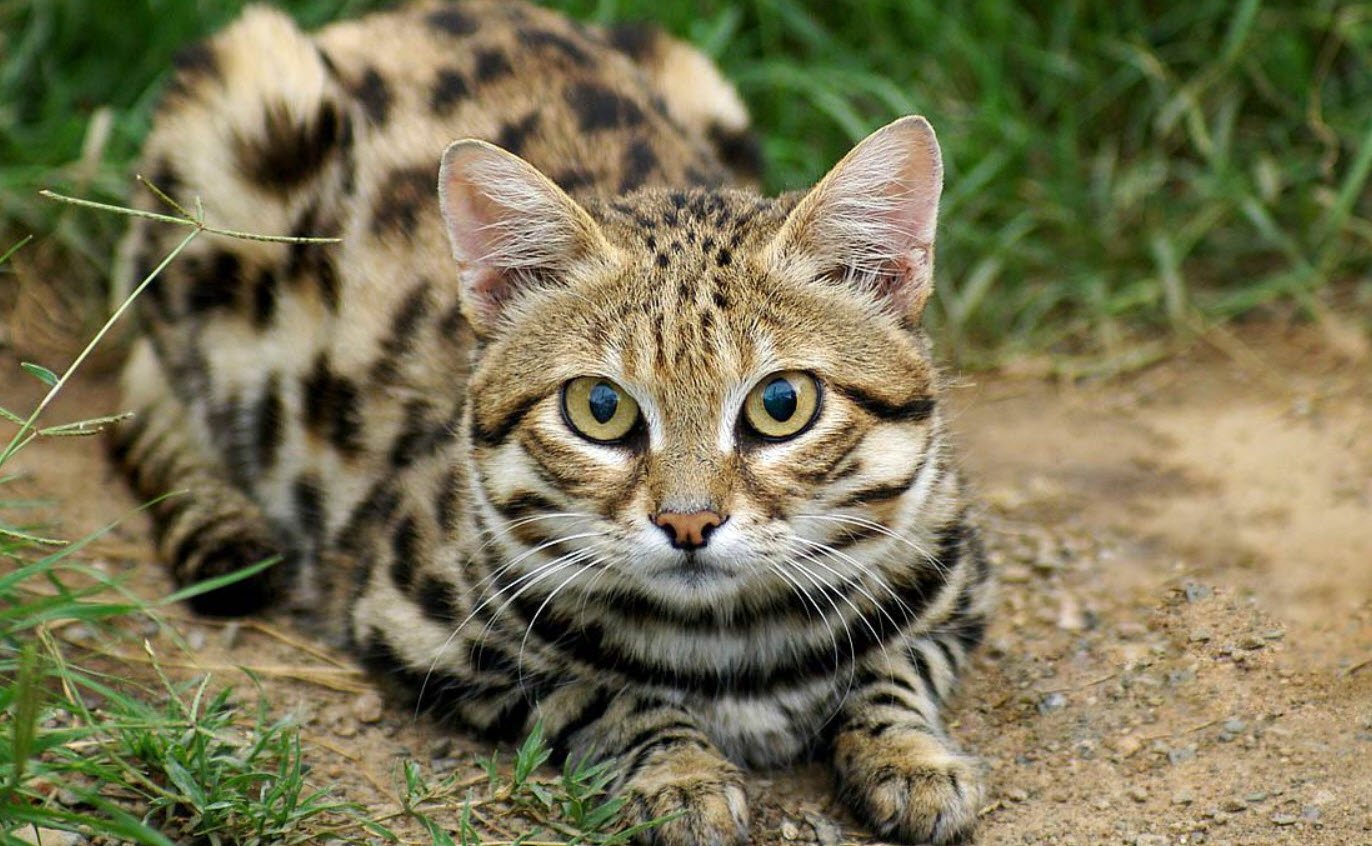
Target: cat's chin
692,571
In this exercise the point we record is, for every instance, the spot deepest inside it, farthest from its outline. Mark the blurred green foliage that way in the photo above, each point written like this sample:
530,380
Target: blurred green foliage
1117,169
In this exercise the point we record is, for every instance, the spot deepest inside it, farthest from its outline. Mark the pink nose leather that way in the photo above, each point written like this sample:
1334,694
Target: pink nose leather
688,531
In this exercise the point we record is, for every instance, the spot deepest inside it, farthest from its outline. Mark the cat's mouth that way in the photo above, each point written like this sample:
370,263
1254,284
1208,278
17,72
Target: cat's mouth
694,571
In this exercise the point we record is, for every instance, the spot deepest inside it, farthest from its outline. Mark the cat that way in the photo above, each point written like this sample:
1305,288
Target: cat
574,427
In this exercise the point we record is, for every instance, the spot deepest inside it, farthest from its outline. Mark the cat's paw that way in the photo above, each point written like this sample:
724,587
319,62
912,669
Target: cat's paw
700,791
908,785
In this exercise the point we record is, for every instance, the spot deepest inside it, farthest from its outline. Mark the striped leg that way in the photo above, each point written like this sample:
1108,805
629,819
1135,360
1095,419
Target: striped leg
896,768
212,528
666,766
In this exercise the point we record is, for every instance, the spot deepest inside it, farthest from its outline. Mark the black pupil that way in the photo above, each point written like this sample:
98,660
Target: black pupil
603,402
779,398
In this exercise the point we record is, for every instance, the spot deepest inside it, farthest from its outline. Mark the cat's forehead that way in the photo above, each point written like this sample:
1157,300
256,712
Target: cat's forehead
682,229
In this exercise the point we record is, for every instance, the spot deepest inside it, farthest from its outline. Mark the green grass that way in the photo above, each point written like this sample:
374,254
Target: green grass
85,747
1117,170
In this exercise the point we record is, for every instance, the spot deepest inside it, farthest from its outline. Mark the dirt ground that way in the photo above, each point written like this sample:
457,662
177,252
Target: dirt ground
1183,652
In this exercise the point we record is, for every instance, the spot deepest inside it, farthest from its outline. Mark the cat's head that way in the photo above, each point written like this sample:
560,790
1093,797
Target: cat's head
700,393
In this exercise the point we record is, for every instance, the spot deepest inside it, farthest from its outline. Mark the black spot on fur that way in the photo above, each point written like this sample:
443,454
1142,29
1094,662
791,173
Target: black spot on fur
268,420
405,548
403,197
450,88
402,335
438,601
264,298
639,163
215,286
449,496
308,495
574,179
374,95
289,151
420,435
556,42
491,65
739,150
635,40
513,135
451,21
724,258
193,63
333,407
598,107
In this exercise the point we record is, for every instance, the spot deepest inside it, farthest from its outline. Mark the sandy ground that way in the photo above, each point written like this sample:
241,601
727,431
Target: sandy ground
1183,650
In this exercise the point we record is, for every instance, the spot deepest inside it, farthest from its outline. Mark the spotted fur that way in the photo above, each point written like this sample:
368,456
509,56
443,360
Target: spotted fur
384,413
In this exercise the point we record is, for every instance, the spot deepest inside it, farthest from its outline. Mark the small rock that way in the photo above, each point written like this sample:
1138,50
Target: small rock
45,836
1050,702
1183,797
1201,634
1138,794
195,639
1195,592
789,830
1273,634
1126,745
1234,726
444,765
1284,819
1311,813
1181,755
1233,805
228,638
1252,642
1256,797
1150,840
367,708
1017,794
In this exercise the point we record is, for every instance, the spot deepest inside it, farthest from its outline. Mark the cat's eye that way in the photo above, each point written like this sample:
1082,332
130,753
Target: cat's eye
598,409
782,405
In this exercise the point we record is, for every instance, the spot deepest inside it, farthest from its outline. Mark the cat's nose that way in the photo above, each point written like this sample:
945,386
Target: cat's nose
688,531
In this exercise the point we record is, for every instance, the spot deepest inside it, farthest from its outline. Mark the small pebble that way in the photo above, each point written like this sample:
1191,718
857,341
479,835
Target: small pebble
1201,634
1181,755
1183,797
1252,642
1273,634
1150,840
444,765
1284,819
1138,794
228,638
1017,794
789,830
1256,797
826,830
1195,592
1311,813
1233,805
195,639
1234,726
367,707
1052,702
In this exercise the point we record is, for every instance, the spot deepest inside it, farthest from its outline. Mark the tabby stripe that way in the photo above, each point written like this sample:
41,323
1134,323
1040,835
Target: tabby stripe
588,644
911,411
591,712
524,504
879,493
498,431
645,753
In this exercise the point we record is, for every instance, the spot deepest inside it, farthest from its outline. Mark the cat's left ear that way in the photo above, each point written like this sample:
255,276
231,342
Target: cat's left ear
512,230
870,222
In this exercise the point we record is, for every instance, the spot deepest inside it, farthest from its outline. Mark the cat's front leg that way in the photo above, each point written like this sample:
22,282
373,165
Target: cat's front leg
895,767
666,768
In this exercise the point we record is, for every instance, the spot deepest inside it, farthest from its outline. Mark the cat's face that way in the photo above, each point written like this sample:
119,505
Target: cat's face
716,392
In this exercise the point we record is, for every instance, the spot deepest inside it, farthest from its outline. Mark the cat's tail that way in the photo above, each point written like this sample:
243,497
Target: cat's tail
697,95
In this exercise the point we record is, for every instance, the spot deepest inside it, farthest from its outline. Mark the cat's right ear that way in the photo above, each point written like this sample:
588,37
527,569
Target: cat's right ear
512,230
